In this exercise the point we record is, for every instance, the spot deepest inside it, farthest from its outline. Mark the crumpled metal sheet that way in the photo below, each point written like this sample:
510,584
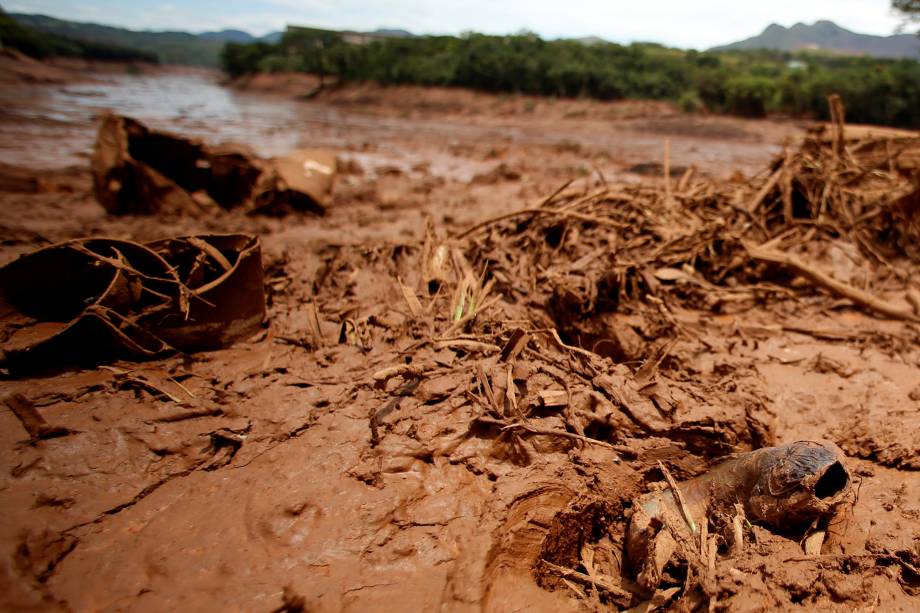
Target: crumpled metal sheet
89,301
137,170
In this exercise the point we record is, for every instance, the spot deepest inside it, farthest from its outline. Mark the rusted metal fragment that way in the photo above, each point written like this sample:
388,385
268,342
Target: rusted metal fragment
94,300
226,300
69,303
136,170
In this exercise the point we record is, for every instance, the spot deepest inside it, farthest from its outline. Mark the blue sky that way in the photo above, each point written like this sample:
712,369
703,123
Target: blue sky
680,23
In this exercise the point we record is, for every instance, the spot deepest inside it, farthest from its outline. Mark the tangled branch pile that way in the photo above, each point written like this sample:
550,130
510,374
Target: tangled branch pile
641,253
531,303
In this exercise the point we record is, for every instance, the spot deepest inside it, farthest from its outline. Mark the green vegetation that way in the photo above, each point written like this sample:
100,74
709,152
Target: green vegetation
909,8
42,45
749,83
165,47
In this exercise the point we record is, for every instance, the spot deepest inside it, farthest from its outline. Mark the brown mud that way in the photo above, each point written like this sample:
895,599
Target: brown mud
459,416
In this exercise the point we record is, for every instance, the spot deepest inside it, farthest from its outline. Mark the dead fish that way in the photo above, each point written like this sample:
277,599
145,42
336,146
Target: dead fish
784,487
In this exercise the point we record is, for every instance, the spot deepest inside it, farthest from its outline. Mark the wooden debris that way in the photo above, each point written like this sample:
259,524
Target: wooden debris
839,288
30,418
649,250
467,345
553,398
738,519
415,307
515,345
814,541
606,584
385,374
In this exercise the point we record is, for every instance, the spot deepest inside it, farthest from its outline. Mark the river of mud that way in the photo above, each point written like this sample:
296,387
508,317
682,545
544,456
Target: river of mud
370,452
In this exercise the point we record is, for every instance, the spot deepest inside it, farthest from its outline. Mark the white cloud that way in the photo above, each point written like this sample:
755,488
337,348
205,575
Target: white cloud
699,24
703,23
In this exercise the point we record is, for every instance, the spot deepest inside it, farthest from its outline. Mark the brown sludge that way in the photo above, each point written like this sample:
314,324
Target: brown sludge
470,420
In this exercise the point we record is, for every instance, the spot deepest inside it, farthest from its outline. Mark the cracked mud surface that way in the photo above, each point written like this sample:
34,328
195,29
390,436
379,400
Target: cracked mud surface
343,459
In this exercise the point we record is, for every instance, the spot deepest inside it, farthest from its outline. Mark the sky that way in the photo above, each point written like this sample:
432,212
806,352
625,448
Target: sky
697,24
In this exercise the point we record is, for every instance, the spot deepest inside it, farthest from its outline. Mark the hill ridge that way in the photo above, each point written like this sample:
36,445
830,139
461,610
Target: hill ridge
825,35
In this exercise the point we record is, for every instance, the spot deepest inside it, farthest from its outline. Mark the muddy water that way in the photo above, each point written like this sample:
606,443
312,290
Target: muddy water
58,122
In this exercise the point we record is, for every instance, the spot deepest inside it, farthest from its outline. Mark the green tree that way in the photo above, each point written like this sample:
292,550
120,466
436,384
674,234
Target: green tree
751,83
749,96
910,9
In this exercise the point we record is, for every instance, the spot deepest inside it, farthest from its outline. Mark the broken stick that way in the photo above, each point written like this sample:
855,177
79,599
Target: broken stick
737,545
30,418
857,296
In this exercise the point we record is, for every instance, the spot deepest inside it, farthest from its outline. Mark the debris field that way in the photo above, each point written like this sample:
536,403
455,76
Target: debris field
557,407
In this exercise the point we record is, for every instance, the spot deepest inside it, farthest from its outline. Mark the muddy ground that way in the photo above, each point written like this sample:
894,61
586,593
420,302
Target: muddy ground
369,452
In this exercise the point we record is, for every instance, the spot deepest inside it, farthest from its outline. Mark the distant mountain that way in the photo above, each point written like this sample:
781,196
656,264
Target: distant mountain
169,47
590,40
229,36
41,45
829,37
392,33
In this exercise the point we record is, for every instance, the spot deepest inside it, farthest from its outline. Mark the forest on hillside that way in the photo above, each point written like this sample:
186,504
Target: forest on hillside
166,47
42,45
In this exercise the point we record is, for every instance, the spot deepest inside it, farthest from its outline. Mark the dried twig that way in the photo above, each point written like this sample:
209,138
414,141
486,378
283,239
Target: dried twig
616,593
467,345
738,520
600,221
385,374
505,426
415,307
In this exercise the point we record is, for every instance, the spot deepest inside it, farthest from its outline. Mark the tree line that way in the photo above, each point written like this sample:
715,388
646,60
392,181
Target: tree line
747,83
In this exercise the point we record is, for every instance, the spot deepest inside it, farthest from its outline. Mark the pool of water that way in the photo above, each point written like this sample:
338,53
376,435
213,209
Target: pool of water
59,122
